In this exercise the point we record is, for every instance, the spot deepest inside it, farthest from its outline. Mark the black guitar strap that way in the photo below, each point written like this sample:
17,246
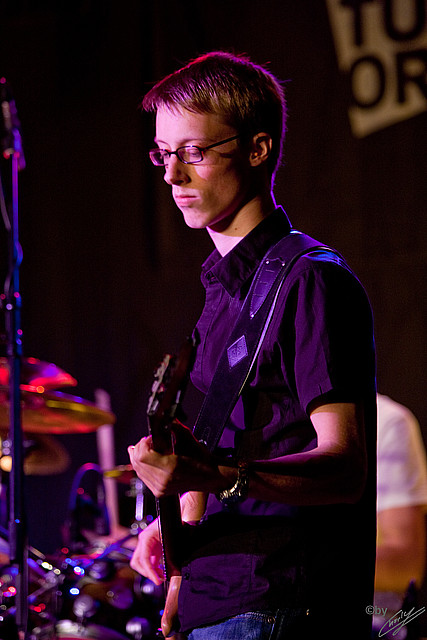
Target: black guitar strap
245,340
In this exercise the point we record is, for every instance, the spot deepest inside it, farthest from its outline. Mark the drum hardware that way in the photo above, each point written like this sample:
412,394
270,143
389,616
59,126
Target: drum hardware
45,630
43,455
99,585
74,631
100,575
96,565
44,412
139,628
86,513
43,600
102,569
28,405
137,486
117,592
11,302
102,588
126,475
99,589
95,595
84,607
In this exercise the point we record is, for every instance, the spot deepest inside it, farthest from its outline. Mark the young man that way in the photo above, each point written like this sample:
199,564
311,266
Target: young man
285,545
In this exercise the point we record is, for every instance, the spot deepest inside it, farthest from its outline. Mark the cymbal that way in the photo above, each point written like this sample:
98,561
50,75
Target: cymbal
43,456
38,374
54,412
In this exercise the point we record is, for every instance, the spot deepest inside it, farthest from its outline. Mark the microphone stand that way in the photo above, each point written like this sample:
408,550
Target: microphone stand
18,537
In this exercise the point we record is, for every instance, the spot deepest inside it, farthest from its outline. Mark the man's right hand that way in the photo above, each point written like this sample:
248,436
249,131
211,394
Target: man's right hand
148,554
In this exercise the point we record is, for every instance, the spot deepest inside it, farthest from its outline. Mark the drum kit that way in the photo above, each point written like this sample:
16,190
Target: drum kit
87,590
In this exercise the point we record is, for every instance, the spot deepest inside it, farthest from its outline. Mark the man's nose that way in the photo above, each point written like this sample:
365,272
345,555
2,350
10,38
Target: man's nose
175,171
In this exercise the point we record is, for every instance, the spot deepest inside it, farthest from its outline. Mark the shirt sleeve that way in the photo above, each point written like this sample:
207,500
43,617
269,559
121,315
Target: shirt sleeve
402,468
333,350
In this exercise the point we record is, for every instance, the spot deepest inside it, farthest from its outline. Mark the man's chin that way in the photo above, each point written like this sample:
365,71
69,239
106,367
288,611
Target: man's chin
193,220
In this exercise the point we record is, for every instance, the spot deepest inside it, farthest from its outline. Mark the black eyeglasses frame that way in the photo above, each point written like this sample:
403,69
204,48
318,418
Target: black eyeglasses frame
191,146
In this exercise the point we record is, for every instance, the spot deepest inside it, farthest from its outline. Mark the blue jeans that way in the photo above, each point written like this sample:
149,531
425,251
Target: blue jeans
256,625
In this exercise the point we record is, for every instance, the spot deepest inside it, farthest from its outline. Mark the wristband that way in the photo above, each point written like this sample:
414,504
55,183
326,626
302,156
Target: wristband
240,489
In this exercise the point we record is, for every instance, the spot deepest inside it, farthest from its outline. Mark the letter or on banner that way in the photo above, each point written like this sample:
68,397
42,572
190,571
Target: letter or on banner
381,47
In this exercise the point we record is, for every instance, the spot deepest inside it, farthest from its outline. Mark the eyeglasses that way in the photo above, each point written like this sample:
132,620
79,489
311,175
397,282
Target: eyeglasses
188,154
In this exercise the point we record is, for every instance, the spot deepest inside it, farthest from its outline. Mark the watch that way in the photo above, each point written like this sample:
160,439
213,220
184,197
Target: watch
240,489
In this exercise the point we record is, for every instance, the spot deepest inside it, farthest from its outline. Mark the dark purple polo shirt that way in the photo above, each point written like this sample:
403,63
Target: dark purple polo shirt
319,347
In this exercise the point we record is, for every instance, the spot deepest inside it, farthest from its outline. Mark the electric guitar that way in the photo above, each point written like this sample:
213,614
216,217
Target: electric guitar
166,394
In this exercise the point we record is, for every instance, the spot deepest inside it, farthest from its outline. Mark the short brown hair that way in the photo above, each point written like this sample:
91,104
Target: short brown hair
247,95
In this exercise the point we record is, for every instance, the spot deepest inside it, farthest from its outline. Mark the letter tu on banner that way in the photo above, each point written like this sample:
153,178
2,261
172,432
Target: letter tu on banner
381,47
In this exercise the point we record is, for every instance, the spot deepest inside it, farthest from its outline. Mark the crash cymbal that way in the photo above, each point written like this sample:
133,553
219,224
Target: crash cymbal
38,374
54,412
123,473
43,456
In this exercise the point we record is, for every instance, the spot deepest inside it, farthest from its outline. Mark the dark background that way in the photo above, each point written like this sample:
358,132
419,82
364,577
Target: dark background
110,278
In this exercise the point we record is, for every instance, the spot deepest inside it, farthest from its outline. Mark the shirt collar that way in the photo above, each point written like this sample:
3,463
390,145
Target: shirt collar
237,266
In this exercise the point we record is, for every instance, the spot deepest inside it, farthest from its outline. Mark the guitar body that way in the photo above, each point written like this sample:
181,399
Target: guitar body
167,391
171,609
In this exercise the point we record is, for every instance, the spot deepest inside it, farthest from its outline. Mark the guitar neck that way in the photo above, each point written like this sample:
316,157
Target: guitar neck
169,383
169,512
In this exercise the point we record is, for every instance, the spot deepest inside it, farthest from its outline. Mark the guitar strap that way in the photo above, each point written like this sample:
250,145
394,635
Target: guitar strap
239,357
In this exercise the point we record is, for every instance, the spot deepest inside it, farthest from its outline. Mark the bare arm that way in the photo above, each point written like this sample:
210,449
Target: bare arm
335,471
401,548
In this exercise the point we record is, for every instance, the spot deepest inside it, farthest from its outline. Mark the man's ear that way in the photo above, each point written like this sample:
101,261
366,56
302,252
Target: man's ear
260,150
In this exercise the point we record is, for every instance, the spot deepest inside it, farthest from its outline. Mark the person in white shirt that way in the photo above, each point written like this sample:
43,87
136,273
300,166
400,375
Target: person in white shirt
401,506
